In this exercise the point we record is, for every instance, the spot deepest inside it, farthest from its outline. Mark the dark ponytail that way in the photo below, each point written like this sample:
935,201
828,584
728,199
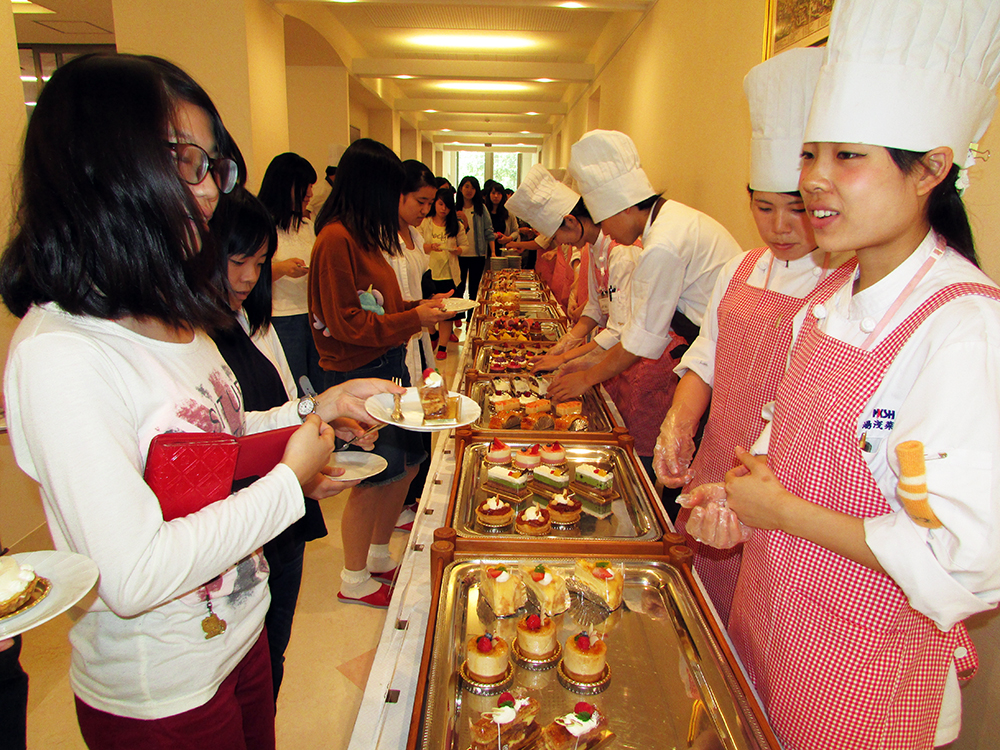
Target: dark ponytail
945,209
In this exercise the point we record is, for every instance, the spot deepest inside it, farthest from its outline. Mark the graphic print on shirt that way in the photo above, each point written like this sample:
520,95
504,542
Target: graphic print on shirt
875,427
219,410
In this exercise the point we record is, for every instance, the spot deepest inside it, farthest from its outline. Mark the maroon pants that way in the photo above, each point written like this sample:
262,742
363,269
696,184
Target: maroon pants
240,716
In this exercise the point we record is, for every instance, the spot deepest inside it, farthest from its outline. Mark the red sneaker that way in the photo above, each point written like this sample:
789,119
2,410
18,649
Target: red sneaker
379,600
441,354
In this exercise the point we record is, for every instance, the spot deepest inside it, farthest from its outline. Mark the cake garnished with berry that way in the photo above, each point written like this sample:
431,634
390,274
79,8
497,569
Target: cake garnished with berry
548,587
564,508
584,657
578,730
554,454
510,725
552,477
502,590
528,458
512,481
536,637
486,658
494,512
602,579
499,453
533,521
596,480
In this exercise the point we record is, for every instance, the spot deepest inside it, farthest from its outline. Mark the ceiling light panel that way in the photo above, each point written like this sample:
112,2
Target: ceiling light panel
468,18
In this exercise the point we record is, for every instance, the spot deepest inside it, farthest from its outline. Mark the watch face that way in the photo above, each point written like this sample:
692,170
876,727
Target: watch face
306,407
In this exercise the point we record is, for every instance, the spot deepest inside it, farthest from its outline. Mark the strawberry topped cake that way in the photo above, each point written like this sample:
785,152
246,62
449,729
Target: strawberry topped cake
499,453
584,657
553,455
536,637
510,725
548,587
528,458
578,730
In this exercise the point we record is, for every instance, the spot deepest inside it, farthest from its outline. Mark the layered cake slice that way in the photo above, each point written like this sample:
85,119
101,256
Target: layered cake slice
434,398
503,591
510,725
578,730
551,477
507,480
569,407
548,587
604,581
598,481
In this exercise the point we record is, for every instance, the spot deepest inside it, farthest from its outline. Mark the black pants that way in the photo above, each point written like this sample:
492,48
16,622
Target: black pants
472,274
13,699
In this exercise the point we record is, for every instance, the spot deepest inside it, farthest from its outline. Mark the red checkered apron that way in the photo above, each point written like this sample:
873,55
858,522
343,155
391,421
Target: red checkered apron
755,334
836,653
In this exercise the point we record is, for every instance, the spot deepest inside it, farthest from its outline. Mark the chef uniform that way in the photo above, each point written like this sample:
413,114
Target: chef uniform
843,656
744,342
683,252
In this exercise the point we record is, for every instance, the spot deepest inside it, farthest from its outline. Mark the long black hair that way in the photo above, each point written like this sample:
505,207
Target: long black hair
242,224
104,224
500,212
477,200
365,196
945,209
451,223
417,176
284,187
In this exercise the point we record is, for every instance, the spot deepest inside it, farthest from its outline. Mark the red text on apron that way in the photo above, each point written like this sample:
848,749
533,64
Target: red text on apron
836,653
755,334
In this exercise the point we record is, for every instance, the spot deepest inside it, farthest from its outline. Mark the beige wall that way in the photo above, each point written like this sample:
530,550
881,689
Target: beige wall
383,126
359,118
318,112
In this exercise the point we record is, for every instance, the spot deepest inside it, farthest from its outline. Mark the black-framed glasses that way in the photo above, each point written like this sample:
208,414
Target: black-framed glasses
193,163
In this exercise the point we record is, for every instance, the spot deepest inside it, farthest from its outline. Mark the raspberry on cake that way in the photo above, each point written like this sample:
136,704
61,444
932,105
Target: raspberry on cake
487,658
499,453
528,458
548,587
533,521
578,730
494,512
508,480
504,592
551,477
554,454
510,725
536,637
584,657
599,577
564,508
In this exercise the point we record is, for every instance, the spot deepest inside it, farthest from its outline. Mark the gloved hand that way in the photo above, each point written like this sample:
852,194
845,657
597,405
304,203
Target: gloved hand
674,449
565,344
711,521
584,362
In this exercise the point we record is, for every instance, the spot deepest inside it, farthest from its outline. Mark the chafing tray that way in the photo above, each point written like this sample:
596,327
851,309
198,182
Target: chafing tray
541,310
483,354
672,682
598,417
551,330
634,520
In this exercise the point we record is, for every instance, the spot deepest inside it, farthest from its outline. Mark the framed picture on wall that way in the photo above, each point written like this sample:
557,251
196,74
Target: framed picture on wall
796,23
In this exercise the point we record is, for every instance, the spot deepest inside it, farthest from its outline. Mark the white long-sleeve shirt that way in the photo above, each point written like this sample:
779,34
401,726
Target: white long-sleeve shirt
84,399
683,252
610,307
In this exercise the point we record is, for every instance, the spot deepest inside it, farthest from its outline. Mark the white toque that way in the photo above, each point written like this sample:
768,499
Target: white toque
542,201
605,165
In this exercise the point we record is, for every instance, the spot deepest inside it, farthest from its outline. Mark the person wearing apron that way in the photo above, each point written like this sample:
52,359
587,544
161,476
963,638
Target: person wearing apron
849,604
683,252
741,353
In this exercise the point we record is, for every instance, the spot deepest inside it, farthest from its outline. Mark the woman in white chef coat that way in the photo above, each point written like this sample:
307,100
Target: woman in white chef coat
740,355
848,609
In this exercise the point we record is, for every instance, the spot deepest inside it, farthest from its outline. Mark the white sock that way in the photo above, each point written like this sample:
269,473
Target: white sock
379,559
357,583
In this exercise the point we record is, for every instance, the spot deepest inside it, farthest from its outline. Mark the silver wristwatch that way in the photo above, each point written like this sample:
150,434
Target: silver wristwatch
307,406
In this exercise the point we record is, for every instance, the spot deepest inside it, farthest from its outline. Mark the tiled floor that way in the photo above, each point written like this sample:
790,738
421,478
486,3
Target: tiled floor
326,665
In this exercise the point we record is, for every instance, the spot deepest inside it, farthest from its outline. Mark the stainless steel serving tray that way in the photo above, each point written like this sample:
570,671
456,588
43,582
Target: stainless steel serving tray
551,330
593,408
632,520
671,684
482,361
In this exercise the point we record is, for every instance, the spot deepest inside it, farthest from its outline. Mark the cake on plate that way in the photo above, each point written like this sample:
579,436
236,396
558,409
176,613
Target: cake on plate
578,730
602,579
584,657
533,521
494,512
548,587
510,725
564,508
536,637
503,591
434,398
486,658
17,582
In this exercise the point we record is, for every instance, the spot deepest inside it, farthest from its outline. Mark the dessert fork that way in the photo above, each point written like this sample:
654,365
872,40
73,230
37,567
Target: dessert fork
397,411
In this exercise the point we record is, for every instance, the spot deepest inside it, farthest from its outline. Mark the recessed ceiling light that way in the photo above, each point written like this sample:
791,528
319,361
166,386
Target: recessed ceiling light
531,113
525,132
431,111
445,130
545,80
403,78
481,86
471,41
571,5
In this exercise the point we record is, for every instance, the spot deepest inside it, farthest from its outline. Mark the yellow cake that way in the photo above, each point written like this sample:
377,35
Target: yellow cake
502,590
486,658
548,587
584,657
509,724
599,577
536,637
16,584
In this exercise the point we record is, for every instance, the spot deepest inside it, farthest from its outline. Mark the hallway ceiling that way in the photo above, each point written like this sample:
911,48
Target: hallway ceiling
503,72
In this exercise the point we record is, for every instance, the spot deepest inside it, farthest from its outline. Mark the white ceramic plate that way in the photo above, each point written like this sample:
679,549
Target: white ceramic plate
357,464
72,576
380,407
458,304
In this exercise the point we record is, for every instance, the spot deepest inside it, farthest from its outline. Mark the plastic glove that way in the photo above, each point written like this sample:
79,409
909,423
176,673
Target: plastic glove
565,344
585,362
711,521
674,449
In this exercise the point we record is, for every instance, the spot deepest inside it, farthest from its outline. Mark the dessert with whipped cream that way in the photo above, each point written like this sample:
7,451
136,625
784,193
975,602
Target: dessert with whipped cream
564,509
602,579
494,512
502,590
499,453
554,454
578,730
438,407
486,658
551,478
17,582
528,458
536,637
533,521
548,587
505,479
584,657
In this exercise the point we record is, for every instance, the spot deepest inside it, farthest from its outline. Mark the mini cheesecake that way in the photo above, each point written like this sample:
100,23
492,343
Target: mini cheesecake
584,657
528,458
568,407
548,587
486,658
503,591
601,578
564,508
553,454
499,453
494,512
533,521
536,637
506,479
552,477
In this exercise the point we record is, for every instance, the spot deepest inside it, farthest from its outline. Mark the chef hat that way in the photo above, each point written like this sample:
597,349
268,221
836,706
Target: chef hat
606,168
542,201
780,92
908,74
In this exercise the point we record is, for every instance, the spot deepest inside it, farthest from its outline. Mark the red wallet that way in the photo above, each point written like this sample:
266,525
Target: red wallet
189,470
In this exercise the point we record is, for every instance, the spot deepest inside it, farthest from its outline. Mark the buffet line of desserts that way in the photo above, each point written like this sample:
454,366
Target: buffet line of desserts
562,613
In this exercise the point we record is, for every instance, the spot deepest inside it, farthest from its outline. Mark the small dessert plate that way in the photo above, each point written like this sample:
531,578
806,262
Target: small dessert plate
486,688
71,575
380,405
357,465
458,304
